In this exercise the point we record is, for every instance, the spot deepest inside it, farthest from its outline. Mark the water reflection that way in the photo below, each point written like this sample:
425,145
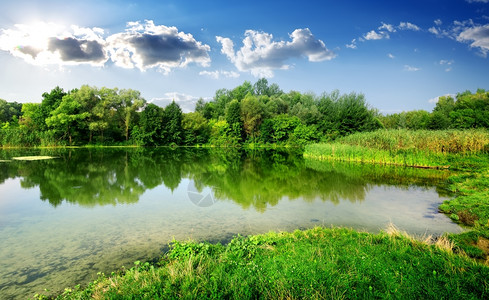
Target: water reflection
137,202
258,179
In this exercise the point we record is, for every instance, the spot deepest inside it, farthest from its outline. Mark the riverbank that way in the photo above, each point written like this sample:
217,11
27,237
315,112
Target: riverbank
464,151
323,262
315,263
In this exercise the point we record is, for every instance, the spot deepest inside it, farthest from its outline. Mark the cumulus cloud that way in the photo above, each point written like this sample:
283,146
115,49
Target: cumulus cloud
148,45
477,36
219,74
260,54
141,45
77,50
390,55
186,102
411,68
438,22
49,43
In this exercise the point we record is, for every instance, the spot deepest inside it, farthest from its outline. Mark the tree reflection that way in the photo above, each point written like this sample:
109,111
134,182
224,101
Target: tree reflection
258,179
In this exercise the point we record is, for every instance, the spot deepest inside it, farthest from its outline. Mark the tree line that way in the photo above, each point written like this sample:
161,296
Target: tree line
250,113
465,110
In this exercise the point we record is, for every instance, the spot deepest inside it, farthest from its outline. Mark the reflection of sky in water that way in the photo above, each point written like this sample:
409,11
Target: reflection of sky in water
43,246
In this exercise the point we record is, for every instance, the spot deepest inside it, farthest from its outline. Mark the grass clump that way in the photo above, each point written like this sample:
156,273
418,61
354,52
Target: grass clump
315,263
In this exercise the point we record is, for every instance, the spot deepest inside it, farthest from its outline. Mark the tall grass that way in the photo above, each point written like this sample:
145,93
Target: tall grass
421,148
433,141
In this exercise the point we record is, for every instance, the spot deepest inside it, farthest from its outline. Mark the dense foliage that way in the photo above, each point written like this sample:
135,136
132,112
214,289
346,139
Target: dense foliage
258,113
466,110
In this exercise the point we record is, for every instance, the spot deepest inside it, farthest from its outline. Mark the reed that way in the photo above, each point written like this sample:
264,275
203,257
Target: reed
421,148
435,141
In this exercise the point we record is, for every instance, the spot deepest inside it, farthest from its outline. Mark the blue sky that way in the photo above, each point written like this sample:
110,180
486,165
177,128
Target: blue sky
401,54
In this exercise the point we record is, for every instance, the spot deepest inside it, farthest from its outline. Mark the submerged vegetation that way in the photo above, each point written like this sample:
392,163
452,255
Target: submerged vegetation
316,263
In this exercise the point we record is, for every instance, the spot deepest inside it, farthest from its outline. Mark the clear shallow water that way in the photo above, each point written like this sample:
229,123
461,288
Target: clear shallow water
96,210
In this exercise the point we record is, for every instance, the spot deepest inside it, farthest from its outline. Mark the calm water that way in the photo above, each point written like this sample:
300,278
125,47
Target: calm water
96,210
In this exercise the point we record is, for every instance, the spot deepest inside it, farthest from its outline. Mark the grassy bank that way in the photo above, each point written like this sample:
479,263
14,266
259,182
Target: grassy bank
459,150
454,149
316,263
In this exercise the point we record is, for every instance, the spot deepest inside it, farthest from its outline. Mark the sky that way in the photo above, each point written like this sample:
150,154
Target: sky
402,55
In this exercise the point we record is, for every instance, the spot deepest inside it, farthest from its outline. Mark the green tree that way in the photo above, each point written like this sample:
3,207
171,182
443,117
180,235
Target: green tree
355,115
66,117
103,114
279,129
196,129
251,114
130,102
233,117
438,120
50,101
8,110
32,117
172,119
151,125
220,134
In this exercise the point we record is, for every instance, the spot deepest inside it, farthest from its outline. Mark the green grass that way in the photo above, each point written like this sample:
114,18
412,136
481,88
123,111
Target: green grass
463,151
317,263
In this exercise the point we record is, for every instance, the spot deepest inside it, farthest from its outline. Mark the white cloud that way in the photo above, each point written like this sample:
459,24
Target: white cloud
446,62
438,22
411,68
352,45
388,27
408,26
477,36
434,30
142,46
478,1
219,74
147,45
384,31
49,43
186,102
390,55
261,55
373,35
